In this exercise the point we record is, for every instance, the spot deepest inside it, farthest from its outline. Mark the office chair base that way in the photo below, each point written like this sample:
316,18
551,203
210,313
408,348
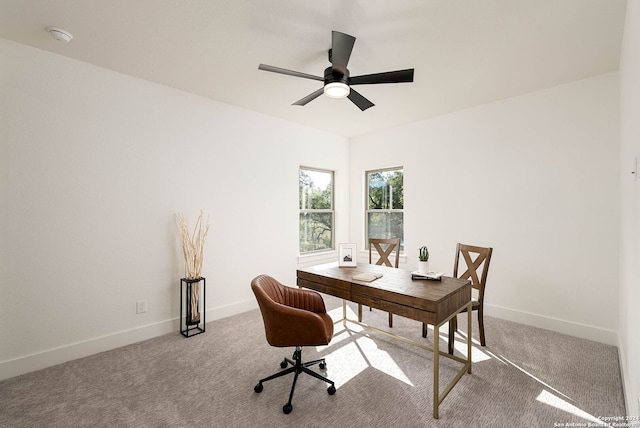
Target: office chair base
297,367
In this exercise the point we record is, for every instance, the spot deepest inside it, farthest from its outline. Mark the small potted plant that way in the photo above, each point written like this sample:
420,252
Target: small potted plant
423,256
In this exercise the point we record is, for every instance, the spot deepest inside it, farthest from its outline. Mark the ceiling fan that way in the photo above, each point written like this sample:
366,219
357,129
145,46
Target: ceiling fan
337,81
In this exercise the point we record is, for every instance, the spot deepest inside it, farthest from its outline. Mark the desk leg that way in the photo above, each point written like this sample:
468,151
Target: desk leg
469,336
436,370
344,312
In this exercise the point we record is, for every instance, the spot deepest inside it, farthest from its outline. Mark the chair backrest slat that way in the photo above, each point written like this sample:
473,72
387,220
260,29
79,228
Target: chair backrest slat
476,265
389,246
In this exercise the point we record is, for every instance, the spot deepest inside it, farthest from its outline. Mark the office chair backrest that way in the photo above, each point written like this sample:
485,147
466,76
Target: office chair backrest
476,265
389,246
291,316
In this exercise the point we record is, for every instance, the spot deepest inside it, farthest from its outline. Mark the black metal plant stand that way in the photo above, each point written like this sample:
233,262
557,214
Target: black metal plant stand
188,327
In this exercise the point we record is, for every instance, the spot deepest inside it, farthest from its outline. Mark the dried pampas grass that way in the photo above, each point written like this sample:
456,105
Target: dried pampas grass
193,245
193,250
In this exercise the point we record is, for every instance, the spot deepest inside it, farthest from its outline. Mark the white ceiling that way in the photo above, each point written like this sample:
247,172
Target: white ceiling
465,52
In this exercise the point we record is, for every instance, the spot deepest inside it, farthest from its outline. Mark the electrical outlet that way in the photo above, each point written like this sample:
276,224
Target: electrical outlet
141,306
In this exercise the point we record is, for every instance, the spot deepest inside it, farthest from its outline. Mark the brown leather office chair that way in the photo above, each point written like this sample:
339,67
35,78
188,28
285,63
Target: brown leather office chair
384,248
293,317
474,266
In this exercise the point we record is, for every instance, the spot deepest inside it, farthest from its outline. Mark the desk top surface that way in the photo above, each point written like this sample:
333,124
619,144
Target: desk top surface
396,281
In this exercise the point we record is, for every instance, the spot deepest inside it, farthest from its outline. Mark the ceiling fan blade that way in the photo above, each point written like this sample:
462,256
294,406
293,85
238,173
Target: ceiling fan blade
359,100
399,76
289,72
341,47
309,97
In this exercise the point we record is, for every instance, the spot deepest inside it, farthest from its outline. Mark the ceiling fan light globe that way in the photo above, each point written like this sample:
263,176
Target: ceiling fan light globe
336,90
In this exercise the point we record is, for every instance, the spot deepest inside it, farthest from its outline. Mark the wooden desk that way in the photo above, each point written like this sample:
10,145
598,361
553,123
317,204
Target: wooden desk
431,302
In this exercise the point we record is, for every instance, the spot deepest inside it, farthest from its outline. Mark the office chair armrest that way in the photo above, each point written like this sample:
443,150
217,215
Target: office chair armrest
308,300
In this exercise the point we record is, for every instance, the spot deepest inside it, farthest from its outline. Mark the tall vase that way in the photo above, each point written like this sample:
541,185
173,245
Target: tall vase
193,310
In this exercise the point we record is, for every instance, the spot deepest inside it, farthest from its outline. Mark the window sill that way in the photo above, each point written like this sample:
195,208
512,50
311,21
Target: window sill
332,256
317,258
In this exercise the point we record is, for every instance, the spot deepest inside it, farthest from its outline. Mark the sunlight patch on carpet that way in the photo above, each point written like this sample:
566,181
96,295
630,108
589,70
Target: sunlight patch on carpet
347,360
552,400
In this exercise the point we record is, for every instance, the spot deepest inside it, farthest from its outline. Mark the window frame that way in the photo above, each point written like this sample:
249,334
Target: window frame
367,210
332,211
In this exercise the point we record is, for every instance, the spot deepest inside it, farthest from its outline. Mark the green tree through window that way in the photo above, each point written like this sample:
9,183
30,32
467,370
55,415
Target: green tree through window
316,210
385,205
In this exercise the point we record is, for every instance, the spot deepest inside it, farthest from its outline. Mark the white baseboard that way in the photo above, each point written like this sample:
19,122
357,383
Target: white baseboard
626,389
229,310
584,331
62,354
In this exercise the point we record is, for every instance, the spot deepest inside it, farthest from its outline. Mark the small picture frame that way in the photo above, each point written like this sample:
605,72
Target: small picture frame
347,255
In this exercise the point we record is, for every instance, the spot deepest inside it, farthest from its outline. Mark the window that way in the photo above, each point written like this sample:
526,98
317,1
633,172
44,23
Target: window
316,210
385,205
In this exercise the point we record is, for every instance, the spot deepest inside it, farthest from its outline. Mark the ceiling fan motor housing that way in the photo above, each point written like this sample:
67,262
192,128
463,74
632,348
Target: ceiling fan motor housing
331,76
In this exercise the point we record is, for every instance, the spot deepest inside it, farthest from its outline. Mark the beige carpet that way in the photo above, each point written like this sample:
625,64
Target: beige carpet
524,377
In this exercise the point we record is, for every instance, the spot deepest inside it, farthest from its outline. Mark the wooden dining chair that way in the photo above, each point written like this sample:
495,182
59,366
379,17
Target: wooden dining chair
473,265
384,248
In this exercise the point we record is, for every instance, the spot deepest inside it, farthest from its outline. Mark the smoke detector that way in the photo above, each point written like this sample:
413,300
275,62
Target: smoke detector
59,34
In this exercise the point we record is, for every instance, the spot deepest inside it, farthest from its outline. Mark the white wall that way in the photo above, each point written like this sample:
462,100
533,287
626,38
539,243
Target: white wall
94,166
536,178
630,209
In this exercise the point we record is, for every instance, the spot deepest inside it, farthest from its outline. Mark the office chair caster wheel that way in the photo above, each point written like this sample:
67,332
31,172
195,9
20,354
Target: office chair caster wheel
331,390
258,388
322,366
287,408
283,364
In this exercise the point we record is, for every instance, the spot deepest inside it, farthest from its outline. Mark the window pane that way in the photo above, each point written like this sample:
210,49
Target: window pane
315,189
385,190
386,225
315,231
316,206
